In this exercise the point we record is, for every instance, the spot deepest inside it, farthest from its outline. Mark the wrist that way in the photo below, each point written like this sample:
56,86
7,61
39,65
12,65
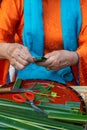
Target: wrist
75,58
3,50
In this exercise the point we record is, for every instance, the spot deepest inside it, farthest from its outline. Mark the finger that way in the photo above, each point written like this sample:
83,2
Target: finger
50,54
26,54
48,68
45,63
17,64
19,55
22,60
54,66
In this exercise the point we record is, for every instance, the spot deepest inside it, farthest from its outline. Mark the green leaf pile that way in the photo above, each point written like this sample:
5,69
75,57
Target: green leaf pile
17,116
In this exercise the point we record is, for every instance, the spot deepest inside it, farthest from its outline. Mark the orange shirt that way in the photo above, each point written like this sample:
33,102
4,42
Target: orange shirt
11,22
82,40
14,24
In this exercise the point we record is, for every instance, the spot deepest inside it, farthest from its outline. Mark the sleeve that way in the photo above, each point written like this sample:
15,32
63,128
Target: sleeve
10,14
82,49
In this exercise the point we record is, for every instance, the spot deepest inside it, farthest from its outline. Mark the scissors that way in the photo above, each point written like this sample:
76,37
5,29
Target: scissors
28,98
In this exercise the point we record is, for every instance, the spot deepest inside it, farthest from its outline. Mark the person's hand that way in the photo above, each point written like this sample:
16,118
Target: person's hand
18,55
57,60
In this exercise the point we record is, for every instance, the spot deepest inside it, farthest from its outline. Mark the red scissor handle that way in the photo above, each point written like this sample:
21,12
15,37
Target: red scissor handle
18,98
29,96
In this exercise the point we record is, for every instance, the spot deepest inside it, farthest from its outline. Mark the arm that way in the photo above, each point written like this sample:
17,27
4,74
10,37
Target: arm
82,49
11,15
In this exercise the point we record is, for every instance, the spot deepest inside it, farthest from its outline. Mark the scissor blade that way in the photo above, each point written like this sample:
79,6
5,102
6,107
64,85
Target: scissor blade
17,90
24,89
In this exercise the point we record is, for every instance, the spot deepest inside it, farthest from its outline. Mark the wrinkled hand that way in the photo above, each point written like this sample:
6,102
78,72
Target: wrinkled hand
57,60
18,55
